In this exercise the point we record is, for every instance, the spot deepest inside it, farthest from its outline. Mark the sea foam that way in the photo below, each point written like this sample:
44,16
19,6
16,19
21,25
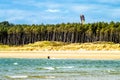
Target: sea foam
65,67
18,76
49,68
15,63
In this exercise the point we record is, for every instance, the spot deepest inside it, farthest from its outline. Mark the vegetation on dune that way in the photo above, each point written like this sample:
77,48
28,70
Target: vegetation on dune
11,34
54,45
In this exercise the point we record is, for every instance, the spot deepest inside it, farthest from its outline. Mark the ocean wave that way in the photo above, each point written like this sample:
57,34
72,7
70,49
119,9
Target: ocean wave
42,76
53,68
18,77
30,76
49,68
65,67
15,63
45,68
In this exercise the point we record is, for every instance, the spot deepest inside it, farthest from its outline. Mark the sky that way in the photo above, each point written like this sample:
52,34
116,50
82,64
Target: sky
58,11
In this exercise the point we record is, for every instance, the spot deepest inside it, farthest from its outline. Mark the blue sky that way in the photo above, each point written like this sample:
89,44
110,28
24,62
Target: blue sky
58,11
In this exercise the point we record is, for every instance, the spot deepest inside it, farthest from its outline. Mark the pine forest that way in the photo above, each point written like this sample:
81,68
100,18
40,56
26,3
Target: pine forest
20,34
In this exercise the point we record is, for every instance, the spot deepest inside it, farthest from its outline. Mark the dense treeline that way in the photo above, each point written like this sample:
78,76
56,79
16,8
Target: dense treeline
70,32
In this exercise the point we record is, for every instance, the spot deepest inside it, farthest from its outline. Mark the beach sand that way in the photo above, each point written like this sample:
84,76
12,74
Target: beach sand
101,55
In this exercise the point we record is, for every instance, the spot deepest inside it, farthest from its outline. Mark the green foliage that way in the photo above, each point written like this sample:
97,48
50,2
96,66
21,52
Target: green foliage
70,32
46,43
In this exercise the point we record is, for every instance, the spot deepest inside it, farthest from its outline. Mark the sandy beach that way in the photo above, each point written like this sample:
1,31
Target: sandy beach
62,54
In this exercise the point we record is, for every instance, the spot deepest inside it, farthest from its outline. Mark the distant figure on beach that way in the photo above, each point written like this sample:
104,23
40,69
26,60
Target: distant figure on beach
48,57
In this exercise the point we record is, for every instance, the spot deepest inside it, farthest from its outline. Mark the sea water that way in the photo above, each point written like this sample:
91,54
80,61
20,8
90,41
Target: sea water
59,69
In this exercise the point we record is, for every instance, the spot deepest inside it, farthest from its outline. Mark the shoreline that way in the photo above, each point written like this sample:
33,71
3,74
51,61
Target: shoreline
97,55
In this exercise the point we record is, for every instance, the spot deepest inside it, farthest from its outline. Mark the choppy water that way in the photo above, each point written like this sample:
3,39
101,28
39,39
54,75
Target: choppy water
59,69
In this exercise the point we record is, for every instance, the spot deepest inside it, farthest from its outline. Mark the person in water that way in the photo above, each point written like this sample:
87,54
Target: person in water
48,57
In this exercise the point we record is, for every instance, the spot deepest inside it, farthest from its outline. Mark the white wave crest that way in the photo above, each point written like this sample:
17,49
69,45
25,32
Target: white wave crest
49,68
65,67
15,63
18,77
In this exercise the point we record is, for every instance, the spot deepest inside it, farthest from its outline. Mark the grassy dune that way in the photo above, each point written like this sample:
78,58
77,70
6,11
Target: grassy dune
54,45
